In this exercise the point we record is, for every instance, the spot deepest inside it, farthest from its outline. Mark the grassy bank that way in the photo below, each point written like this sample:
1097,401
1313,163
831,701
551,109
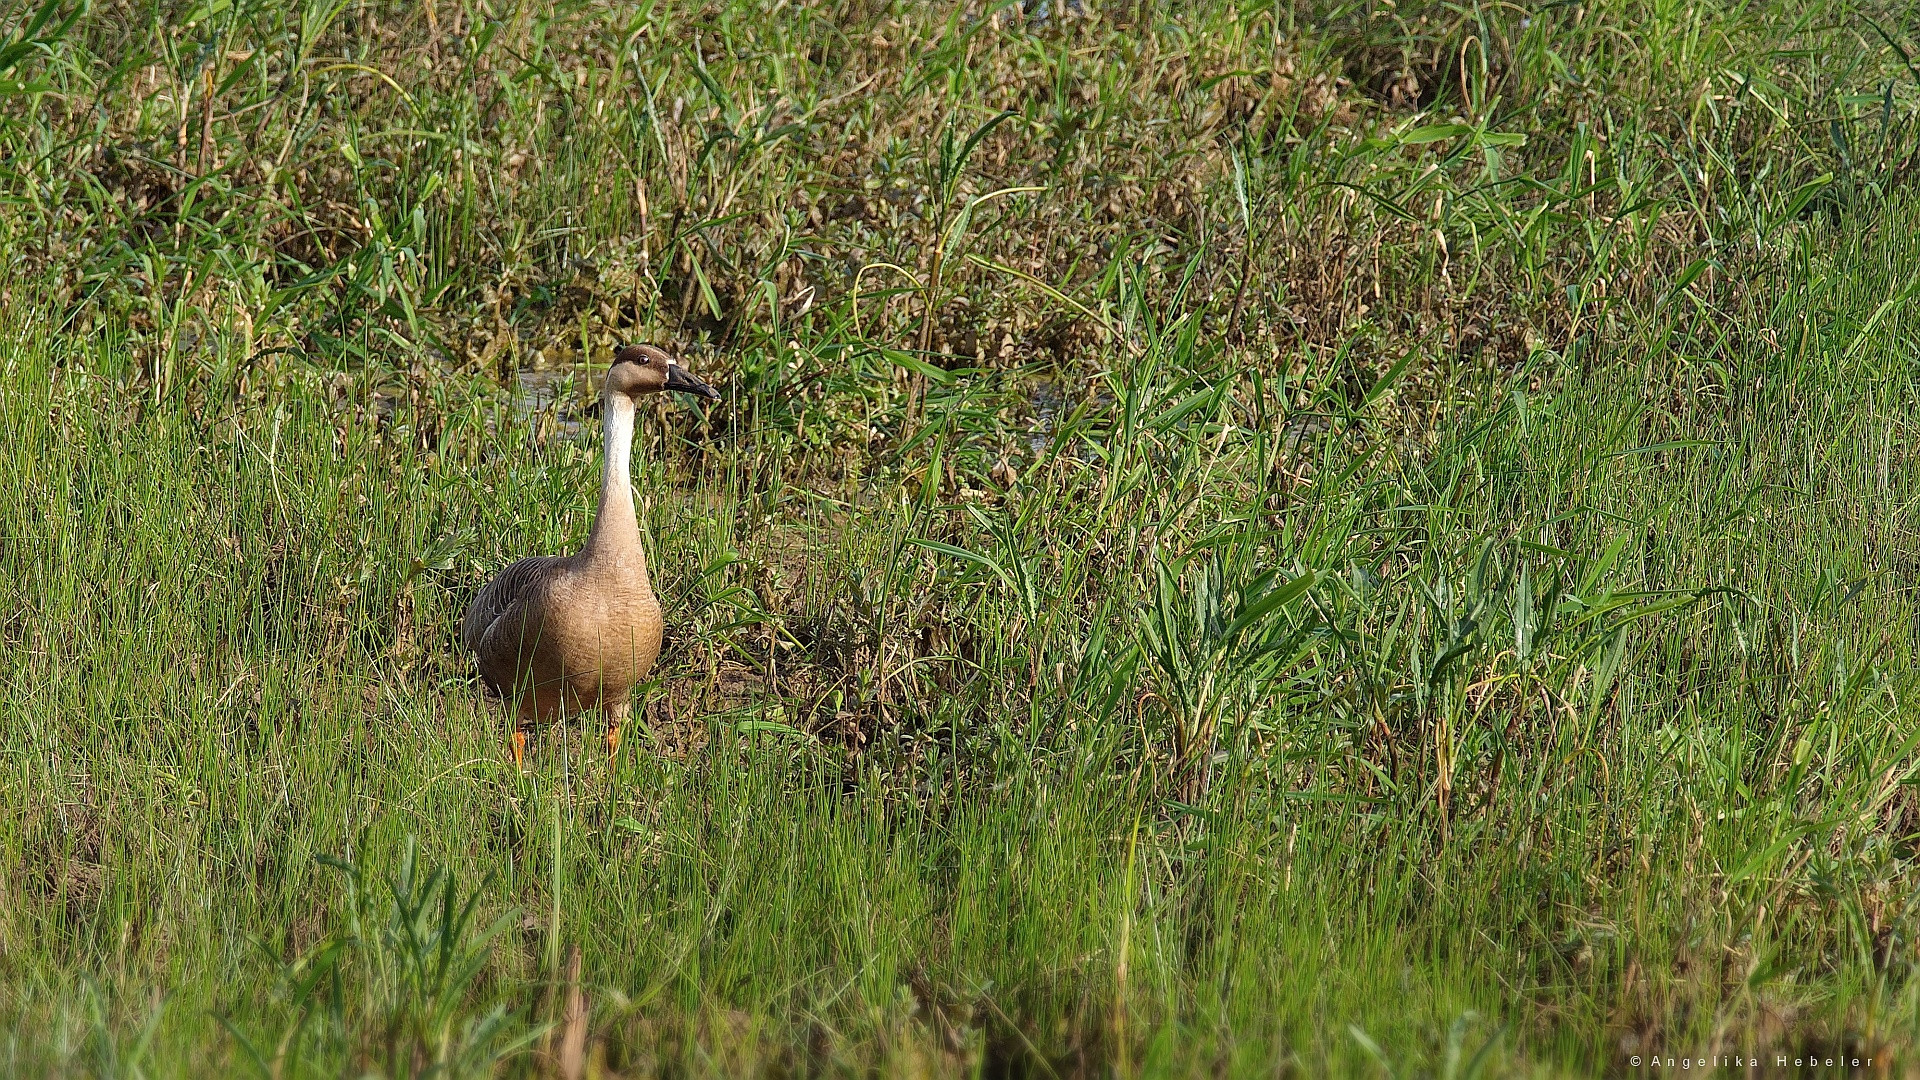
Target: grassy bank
1238,539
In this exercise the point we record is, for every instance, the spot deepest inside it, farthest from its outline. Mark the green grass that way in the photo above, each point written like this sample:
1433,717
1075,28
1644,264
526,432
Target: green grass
1240,539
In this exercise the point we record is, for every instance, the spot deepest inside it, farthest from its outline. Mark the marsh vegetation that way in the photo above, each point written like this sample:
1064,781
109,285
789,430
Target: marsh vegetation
1240,538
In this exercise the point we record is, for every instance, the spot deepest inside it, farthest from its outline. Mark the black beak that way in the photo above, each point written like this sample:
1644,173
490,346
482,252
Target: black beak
679,378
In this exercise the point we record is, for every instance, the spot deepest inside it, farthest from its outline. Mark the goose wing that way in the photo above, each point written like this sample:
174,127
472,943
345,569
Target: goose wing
498,596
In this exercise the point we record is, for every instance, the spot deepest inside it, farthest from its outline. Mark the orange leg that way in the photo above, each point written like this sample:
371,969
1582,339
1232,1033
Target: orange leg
529,709
616,715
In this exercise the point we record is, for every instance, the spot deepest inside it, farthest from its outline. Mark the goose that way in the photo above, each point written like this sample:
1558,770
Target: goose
558,635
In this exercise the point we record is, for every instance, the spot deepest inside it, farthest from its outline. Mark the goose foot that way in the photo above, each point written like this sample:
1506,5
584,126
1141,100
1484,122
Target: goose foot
520,749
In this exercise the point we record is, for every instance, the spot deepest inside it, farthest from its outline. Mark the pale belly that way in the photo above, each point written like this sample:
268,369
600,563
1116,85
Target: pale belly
606,639
597,639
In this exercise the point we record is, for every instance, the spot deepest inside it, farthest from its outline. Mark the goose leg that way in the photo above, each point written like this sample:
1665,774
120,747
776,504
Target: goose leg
522,716
616,715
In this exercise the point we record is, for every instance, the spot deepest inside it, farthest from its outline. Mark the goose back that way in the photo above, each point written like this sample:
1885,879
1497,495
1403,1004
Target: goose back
507,588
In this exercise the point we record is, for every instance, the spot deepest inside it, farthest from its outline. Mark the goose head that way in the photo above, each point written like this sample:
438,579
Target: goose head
643,369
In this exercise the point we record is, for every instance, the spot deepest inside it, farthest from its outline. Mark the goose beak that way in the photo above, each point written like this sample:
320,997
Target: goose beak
679,378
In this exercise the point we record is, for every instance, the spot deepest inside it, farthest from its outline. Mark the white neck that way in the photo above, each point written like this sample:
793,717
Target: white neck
616,531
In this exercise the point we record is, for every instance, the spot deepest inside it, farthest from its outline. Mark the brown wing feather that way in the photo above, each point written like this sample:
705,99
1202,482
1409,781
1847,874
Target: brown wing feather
500,594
